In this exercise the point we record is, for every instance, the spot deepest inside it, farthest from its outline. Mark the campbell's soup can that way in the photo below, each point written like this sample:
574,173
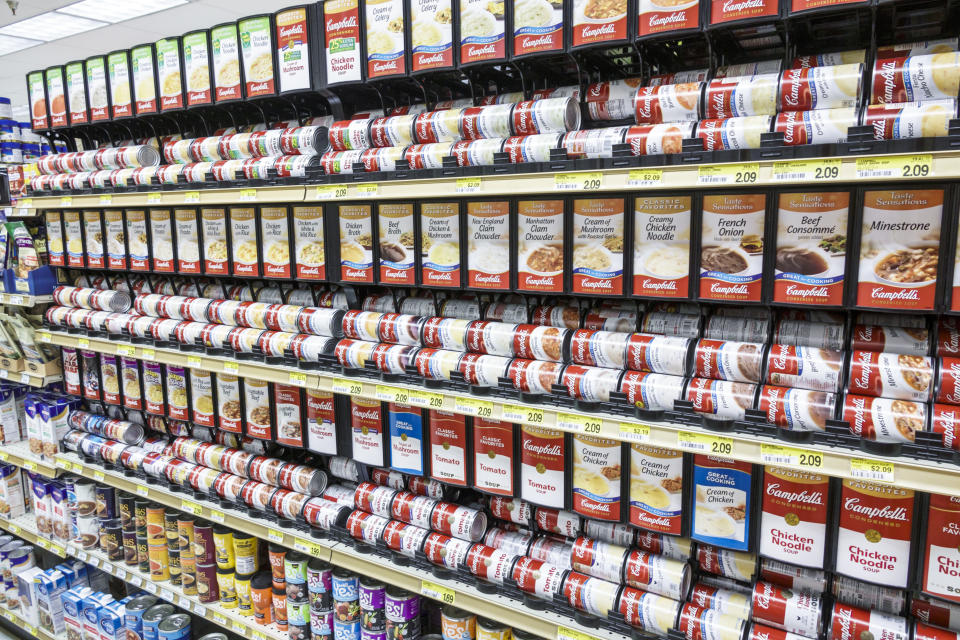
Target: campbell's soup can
599,559
488,563
438,126
884,419
458,521
804,367
697,623
446,551
651,139
732,133
797,409
592,384
891,375
534,148
657,574
552,551
823,126
652,613
551,115
788,609
668,103
741,96
901,120
929,632
427,156
902,340
916,78
375,499
728,360
347,135
404,538
848,621
791,575
366,526
490,121
592,143
393,131
589,594
763,632
565,523
537,577
730,602
829,87
476,153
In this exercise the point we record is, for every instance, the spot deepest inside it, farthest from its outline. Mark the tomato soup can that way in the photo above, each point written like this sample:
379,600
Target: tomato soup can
537,577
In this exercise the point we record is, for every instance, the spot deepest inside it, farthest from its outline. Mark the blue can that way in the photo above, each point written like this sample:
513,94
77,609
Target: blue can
175,627
133,615
346,630
152,618
346,586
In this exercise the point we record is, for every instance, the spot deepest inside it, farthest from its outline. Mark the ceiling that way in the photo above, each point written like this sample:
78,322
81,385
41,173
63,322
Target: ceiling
196,13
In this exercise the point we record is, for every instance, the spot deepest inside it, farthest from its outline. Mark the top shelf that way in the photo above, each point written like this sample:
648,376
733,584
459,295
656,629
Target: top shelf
935,165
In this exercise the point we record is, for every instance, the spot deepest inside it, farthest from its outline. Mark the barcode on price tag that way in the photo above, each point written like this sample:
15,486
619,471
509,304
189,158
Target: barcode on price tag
587,181
191,196
437,592
580,424
778,454
219,619
247,195
476,408
368,189
275,536
309,547
217,516
704,443
907,166
106,199
528,415
191,507
874,470
347,387
231,367
740,173
154,198
299,379
468,185
635,432
126,350
806,170
200,609
142,491
99,476
392,394
194,362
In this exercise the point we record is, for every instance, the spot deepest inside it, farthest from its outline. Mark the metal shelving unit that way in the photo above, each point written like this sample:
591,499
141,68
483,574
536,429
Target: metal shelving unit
906,472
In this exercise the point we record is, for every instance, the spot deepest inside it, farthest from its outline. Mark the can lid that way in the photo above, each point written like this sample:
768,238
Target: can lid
139,603
175,622
295,556
262,580
158,612
319,565
223,572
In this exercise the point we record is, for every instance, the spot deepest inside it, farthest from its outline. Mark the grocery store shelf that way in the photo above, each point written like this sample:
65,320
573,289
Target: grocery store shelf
27,378
842,462
18,453
765,173
231,619
23,300
36,632
545,624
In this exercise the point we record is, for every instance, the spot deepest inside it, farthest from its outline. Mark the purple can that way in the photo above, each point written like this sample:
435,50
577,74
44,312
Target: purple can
402,610
319,585
321,624
372,604
372,635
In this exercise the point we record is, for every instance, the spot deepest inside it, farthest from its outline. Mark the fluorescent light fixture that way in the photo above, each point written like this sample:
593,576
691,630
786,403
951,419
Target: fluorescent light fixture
9,44
50,26
117,10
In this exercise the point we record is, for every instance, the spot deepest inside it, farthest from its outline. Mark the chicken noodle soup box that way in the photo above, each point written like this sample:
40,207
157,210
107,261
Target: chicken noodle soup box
661,246
900,242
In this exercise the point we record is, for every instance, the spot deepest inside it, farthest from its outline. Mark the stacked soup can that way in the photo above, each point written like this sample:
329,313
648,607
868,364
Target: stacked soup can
346,605
320,591
298,602
373,619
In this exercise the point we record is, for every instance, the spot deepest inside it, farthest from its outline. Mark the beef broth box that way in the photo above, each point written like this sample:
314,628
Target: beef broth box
900,248
731,247
661,246
395,221
811,247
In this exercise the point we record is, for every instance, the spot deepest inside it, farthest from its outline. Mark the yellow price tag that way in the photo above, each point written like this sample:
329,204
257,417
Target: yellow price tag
231,367
330,192
194,362
16,300
217,516
309,547
148,354
126,350
63,464
98,476
439,592
635,432
143,491
564,633
368,189
347,387
106,199
918,165
4,456
527,415
29,465
578,423
154,198
735,173
57,549
872,470
705,443
239,627
386,393
806,170
275,536
66,201
476,408
247,195
191,507
43,544
219,619
645,178
25,203
83,343
14,529
468,185
44,336
257,635
297,378
776,454
587,181
32,630
191,196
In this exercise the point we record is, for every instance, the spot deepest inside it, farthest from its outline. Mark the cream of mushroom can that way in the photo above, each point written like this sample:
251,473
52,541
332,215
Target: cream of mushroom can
652,613
592,595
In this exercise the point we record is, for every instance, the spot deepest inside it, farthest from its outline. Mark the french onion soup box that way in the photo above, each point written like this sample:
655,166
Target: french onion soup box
732,247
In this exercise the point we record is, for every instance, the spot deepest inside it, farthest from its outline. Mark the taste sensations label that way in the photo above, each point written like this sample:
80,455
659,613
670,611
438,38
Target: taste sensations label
811,247
732,247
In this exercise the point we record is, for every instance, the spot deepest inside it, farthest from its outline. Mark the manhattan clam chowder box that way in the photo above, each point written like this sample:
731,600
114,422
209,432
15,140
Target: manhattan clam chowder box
541,230
899,248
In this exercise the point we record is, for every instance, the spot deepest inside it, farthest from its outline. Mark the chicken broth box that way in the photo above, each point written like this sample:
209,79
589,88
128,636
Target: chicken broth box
900,248
811,248
356,243
661,246
731,247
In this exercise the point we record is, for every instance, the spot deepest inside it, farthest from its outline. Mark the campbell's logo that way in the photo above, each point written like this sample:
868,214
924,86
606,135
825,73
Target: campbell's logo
607,29
794,77
888,72
657,285
436,58
481,50
667,19
886,511
293,30
604,283
734,289
865,359
879,293
743,5
543,41
257,87
813,292
804,497
542,449
348,22
762,596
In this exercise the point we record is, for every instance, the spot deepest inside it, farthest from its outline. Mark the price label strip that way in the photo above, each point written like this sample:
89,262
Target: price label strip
439,592
705,443
154,198
645,178
191,507
588,181
191,196
368,189
790,456
347,387
275,536
806,170
908,166
468,185
634,432
475,408
217,516
331,192
248,195
873,470
392,394
580,424
527,415
309,547
735,174
564,633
